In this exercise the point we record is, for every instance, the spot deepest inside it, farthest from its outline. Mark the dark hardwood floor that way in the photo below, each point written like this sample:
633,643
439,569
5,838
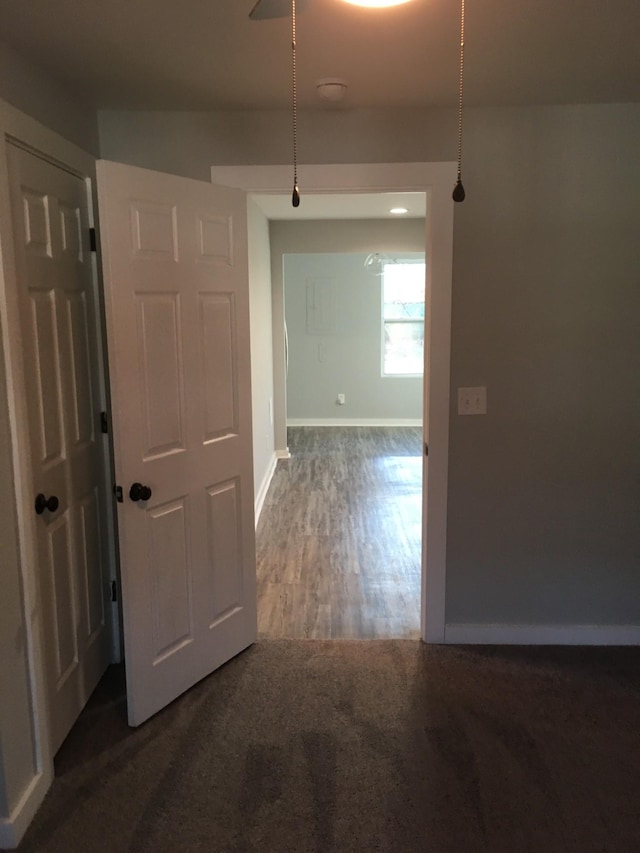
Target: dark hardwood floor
339,537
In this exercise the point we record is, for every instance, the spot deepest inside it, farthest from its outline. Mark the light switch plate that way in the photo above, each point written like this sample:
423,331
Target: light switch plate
472,401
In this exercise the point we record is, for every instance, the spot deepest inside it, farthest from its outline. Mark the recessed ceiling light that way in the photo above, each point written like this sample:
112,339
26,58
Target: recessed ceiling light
376,4
398,211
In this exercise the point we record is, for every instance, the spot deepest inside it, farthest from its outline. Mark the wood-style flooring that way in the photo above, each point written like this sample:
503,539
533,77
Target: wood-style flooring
339,536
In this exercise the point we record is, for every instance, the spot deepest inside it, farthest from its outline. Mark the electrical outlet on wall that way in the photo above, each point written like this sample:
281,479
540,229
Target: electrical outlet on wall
472,401
341,400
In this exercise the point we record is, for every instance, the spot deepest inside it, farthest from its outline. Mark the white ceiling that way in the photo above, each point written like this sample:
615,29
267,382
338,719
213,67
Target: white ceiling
192,54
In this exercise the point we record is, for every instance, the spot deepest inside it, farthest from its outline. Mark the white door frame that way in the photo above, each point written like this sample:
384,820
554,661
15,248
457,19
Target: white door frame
437,181
26,773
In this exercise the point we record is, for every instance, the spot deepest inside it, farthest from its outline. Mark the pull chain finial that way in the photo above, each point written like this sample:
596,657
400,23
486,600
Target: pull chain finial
295,196
458,190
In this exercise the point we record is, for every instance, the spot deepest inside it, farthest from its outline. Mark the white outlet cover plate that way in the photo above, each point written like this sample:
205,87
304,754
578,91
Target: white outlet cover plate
472,401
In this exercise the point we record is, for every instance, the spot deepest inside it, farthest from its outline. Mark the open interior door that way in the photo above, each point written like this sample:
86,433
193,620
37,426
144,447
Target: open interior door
177,312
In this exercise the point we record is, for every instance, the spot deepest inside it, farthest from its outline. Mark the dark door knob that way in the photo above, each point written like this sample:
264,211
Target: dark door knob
138,492
43,503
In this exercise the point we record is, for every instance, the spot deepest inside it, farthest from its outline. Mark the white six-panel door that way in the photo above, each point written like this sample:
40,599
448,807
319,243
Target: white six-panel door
51,228
177,311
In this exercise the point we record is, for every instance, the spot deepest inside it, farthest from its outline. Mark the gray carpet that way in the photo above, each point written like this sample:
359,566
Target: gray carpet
362,746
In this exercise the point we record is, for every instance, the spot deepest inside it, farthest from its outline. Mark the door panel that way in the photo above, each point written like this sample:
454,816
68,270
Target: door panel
162,395
45,364
60,589
217,324
50,218
167,532
77,345
176,289
225,550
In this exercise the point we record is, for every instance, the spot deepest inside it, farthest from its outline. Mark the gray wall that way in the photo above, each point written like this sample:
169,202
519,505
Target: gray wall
346,357
261,343
189,143
322,236
31,90
543,491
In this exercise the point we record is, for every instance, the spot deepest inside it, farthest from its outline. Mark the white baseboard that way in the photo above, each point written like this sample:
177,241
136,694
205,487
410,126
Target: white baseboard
355,422
14,827
264,488
283,454
543,635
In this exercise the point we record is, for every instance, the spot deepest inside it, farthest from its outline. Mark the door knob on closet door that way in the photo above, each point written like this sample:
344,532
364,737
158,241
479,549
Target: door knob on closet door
42,503
138,492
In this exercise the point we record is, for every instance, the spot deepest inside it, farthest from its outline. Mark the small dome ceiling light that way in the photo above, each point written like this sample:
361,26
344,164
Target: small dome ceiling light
398,211
377,4
331,89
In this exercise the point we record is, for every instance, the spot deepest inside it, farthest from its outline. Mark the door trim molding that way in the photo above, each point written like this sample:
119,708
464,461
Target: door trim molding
437,181
14,827
17,128
264,488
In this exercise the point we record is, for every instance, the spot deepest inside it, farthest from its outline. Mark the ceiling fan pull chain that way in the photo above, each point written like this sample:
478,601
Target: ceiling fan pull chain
295,196
458,190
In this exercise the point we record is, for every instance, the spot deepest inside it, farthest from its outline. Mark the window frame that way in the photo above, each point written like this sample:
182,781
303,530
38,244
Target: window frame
400,320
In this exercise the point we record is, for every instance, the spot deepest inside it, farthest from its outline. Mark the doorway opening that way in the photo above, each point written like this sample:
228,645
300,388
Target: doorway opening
435,179
339,538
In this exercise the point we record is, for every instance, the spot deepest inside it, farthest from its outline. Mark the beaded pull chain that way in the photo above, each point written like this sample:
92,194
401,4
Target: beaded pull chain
458,190
295,196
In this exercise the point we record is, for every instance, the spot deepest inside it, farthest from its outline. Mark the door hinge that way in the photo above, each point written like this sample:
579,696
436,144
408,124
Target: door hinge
426,449
93,243
117,491
104,423
114,591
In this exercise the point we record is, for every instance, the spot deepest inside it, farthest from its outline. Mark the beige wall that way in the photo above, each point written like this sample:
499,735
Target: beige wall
543,491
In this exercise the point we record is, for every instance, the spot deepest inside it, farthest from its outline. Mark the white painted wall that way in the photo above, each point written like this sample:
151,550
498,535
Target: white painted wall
261,351
345,357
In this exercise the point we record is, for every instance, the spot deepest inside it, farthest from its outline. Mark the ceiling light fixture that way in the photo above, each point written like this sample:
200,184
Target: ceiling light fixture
376,4
398,211
331,89
375,262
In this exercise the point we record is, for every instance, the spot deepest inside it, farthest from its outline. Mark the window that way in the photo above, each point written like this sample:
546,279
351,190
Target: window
403,318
